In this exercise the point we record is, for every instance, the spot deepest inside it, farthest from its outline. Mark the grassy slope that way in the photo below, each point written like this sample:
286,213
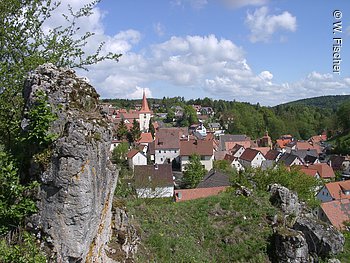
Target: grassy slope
224,228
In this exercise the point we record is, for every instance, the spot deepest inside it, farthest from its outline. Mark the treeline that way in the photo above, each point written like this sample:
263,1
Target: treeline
302,121
324,102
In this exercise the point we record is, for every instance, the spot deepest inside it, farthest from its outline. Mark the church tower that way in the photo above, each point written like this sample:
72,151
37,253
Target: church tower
145,114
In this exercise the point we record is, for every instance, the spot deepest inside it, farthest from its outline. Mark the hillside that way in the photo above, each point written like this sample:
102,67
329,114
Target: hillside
324,102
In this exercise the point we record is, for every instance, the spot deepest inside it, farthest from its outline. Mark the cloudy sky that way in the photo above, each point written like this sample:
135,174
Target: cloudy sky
266,51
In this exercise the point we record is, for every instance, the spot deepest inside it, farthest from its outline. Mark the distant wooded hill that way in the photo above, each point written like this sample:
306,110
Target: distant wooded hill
330,102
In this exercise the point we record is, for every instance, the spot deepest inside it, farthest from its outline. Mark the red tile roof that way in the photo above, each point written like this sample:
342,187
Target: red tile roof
153,175
309,171
200,147
272,155
146,137
144,107
169,138
337,212
324,170
336,189
132,153
282,142
263,150
191,194
249,154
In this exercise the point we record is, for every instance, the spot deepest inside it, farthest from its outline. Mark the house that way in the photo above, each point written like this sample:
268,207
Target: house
154,181
282,142
214,179
145,138
234,162
289,159
135,157
273,155
302,145
199,128
336,162
228,141
311,172
237,150
191,194
265,141
252,158
335,212
324,170
307,155
167,144
142,116
263,150
220,155
203,148
334,191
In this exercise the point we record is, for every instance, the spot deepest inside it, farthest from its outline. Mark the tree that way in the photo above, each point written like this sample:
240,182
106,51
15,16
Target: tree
135,133
344,115
25,45
194,172
151,127
119,153
122,130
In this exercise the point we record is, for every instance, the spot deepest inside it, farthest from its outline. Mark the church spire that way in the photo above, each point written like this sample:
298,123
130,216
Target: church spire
144,107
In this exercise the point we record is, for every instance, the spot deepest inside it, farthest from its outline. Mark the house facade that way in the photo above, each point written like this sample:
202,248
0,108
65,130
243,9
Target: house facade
252,158
135,157
203,148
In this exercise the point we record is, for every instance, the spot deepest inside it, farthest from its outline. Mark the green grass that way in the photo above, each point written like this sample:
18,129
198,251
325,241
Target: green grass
224,228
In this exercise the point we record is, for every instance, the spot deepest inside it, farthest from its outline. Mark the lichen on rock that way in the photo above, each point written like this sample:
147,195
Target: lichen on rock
75,198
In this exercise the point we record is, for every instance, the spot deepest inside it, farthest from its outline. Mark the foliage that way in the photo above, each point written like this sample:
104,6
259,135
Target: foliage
122,131
343,114
119,153
124,188
135,133
294,180
194,172
222,228
26,45
189,117
15,203
151,127
39,119
25,250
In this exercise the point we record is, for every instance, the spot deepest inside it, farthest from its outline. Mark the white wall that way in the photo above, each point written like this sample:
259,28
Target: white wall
206,161
158,192
161,156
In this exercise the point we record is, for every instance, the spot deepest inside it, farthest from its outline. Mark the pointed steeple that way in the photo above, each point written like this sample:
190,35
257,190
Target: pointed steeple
144,107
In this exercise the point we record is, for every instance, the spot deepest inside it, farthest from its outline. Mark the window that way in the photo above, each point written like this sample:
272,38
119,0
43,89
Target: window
161,159
175,151
160,151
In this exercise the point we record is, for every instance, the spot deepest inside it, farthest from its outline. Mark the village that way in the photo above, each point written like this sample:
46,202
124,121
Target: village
160,155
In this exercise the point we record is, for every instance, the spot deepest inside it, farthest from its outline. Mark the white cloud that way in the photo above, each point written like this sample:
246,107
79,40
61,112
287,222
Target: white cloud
263,26
197,4
242,3
203,65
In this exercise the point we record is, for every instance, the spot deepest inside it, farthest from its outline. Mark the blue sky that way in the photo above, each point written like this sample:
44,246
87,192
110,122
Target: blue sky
248,50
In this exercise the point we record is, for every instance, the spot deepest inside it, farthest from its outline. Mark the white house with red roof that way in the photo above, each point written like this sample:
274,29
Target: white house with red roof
203,148
135,157
252,158
334,191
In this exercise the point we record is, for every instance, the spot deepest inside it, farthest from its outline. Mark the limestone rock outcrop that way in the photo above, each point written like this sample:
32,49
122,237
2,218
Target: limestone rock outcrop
284,199
323,239
77,185
291,246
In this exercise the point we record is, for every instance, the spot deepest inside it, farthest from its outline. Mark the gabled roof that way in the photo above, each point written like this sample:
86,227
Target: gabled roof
169,138
232,138
236,148
191,194
220,155
309,171
337,189
337,211
263,150
272,155
200,147
310,159
288,158
146,176
324,170
214,179
132,153
146,137
249,154
336,161
230,158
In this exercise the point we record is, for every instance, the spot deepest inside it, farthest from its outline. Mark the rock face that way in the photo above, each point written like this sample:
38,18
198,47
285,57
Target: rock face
77,186
291,246
285,199
322,239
